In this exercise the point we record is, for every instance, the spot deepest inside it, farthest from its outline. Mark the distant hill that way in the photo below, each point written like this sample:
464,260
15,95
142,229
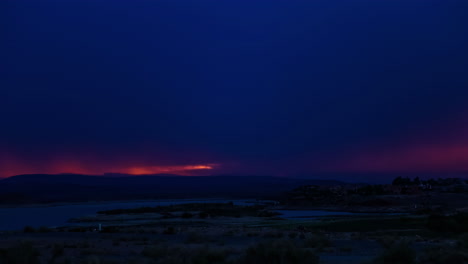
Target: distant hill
46,188
380,177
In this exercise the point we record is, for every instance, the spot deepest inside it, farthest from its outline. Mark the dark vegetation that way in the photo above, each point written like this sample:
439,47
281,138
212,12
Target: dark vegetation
42,229
279,252
202,210
22,253
399,252
225,233
432,225
404,195
403,252
287,243
451,223
163,254
198,250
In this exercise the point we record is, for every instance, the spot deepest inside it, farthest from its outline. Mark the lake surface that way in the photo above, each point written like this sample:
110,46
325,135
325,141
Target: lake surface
16,218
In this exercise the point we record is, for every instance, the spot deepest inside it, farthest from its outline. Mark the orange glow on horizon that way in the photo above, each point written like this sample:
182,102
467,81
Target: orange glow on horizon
166,169
10,166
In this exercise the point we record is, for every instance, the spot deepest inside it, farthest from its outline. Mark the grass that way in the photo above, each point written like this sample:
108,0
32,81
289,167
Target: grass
273,234
275,251
318,241
278,252
281,242
196,238
444,256
57,251
399,252
22,253
368,224
170,230
164,254
453,223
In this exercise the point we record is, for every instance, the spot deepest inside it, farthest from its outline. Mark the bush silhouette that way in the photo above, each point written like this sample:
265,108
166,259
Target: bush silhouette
399,252
23,253
279,252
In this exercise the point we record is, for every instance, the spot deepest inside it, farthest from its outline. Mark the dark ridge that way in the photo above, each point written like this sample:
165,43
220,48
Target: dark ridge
45,188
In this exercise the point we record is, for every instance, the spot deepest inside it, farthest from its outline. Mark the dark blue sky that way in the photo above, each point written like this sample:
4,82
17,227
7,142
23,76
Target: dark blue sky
256,87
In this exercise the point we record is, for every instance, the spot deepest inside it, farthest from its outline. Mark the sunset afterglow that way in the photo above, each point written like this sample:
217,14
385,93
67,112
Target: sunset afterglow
411,158
183,169
281,88
11,166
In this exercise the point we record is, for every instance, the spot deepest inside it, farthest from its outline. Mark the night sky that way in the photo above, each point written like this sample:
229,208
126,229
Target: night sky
242,87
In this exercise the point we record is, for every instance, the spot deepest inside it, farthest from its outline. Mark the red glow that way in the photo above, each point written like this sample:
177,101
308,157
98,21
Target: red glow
428,158
166,169
442,147
10,166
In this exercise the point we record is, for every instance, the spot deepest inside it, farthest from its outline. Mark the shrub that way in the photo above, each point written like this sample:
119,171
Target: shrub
453,223
252,234
29,229
278,252
463,241
195,238
85,244
170,230
23,253
175,255
273,234
206,255
203,215
229,233
156,252
388,241
346,249
400,253
266,213
78,229
186,215
57,251
44,229
318,241
110,229
92,260
444,256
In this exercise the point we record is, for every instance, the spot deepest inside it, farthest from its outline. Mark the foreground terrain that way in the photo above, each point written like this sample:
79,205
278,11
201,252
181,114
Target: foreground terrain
229,233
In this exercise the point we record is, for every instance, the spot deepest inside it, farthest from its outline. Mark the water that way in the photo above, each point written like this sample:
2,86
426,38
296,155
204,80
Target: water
18,217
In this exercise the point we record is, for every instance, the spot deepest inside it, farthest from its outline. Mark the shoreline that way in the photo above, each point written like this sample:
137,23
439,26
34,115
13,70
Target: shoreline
57,204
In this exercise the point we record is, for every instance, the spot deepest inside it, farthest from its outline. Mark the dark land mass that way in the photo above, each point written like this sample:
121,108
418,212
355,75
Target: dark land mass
44,188
225,233
433,227
403,195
